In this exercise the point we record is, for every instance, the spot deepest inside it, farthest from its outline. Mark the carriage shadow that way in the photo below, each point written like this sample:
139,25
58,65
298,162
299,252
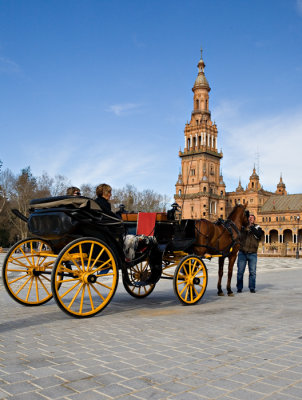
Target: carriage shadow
161,302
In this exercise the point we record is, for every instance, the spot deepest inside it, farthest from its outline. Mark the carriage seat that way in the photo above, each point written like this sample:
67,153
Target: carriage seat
146,224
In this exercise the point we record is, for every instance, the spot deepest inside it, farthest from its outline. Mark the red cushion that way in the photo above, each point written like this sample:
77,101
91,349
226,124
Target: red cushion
146,224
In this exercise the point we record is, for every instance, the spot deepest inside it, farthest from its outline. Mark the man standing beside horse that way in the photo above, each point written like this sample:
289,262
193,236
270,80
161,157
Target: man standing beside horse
249,241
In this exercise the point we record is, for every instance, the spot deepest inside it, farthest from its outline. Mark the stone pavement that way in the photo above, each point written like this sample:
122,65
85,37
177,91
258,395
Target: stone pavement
246,347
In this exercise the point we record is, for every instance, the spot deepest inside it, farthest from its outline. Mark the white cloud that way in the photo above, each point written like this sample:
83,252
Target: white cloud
299,7
227,110
96,162
138,42
123,109
118,166
8,66
276,140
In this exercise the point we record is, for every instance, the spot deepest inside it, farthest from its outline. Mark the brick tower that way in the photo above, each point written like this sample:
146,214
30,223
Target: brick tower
200,190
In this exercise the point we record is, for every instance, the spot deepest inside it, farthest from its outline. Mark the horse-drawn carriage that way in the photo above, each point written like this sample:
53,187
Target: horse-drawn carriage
77,252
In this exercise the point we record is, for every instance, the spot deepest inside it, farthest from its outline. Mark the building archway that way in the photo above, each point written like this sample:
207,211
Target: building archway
287,236
273,236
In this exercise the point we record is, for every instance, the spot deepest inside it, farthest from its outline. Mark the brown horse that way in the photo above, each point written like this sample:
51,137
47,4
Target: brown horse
221,238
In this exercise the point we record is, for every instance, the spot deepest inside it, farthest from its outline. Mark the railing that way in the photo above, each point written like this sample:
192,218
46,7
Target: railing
276,249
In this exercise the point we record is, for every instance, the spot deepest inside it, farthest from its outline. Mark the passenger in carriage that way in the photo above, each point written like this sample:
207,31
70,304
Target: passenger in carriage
73,191
103,192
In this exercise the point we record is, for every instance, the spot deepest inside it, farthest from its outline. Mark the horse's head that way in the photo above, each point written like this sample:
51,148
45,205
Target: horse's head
240,214
246,219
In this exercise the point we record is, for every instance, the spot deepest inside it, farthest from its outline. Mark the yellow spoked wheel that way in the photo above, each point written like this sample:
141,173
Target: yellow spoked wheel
135,280
190,280
26,271
85,277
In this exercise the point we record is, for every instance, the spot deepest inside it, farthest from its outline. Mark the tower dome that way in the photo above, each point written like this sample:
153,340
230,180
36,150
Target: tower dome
201,80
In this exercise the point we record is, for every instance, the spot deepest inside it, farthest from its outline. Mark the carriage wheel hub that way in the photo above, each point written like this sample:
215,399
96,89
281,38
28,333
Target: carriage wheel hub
36,272
192,281
88,278
141,276
91,278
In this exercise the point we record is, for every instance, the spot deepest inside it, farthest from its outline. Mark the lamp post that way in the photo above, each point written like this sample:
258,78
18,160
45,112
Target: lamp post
297,252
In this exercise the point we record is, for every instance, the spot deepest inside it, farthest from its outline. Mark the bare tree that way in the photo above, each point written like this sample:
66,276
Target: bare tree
44,185
16,191
25,189
133,200
88,190
60,185
7,182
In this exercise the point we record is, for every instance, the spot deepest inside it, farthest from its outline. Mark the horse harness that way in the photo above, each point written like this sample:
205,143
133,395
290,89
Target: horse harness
228,226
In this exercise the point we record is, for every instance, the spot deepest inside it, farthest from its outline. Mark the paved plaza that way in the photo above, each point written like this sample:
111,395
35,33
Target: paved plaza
246,347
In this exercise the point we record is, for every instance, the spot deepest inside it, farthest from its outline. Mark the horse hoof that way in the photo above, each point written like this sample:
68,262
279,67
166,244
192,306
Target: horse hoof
220,293
231,294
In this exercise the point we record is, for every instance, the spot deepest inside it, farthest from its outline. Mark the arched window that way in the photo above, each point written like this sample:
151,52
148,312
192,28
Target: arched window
204,189
197,104
179,192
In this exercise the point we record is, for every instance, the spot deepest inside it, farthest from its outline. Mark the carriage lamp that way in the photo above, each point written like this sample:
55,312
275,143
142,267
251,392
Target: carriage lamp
122,208
297,252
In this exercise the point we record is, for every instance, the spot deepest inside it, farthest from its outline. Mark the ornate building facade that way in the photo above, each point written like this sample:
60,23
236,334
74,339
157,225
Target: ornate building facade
201,191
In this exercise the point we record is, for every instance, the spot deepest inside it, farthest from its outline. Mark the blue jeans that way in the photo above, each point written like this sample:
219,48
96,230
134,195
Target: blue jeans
251,260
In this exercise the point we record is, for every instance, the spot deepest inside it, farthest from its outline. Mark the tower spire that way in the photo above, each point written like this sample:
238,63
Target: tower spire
201,63
201,81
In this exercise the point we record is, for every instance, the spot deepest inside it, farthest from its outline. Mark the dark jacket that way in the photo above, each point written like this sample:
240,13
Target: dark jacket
105,206
249,238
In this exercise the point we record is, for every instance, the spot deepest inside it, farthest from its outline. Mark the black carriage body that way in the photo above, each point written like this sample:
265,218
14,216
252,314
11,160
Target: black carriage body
59,220
175,235
51,224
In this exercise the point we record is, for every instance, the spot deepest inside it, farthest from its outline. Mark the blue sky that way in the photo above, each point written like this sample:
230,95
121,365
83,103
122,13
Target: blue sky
100,90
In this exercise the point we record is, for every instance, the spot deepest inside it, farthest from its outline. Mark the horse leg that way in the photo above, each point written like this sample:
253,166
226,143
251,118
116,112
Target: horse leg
220,275
232,259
